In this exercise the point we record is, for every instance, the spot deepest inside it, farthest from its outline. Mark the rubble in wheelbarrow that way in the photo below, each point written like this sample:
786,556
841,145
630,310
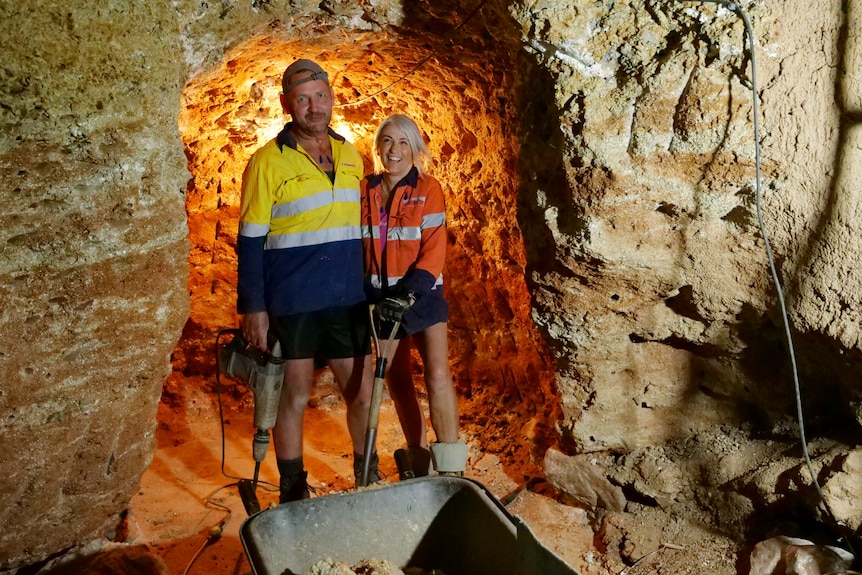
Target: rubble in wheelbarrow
408,523
366,567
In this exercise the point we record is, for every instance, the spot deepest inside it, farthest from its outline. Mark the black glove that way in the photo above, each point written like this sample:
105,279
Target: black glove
395,304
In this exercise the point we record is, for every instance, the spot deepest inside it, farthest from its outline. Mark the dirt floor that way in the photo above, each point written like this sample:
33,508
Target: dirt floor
204,446
187,490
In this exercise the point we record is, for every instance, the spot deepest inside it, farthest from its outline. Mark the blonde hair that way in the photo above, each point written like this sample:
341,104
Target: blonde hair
421,156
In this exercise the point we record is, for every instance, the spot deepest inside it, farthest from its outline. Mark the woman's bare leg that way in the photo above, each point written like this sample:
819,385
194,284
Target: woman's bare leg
399,378
433,347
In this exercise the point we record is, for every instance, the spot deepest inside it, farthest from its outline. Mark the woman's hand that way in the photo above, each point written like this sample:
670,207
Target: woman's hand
396,303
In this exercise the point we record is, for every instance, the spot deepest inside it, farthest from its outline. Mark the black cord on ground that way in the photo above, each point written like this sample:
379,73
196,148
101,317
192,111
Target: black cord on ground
216,530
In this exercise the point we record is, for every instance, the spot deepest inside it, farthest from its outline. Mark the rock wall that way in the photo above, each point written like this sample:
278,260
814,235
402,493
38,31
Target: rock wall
92,271
599,153
659,299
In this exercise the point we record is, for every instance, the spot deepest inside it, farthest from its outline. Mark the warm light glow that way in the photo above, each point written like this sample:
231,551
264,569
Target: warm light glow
269,129
345,129
360,135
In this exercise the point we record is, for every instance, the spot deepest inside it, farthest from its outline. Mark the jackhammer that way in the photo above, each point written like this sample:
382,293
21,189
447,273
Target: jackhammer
263,372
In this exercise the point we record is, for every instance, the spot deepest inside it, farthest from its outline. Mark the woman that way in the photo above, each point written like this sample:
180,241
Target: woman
404,237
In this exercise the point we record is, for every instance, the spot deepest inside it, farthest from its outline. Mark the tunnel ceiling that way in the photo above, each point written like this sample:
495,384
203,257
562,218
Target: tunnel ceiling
464,82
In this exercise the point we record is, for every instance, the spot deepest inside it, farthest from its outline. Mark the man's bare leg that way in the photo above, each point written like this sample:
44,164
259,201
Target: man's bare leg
287,433
355,379
295,393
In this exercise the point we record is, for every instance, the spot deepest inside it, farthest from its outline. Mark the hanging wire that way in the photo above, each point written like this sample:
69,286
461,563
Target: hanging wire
421,62
733,7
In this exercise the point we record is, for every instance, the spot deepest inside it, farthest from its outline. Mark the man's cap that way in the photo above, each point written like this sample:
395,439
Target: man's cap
317,73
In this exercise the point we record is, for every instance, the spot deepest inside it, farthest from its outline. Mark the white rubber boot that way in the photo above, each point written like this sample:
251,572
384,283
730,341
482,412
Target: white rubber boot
449,458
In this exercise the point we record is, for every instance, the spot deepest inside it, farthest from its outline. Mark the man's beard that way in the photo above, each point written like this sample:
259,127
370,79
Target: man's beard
317,121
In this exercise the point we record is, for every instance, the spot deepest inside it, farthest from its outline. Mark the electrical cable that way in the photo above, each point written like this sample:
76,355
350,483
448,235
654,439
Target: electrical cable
421,62
220,410
736,8
216,530
196,556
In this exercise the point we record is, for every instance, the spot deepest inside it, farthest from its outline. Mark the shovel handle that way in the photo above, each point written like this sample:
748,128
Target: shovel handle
376,396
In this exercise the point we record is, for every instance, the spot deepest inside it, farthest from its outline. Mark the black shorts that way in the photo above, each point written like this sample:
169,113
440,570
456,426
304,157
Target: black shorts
331,333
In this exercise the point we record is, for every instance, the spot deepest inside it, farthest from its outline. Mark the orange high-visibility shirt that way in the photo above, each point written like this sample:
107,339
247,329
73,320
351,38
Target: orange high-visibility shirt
415,249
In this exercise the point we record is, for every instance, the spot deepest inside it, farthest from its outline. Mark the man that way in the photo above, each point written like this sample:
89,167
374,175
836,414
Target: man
300,273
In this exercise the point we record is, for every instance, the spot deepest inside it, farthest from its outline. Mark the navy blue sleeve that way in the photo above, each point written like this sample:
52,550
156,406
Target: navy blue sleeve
419,282
250,292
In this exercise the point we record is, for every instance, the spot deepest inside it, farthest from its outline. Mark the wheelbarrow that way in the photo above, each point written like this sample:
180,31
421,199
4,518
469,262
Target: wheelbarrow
452,524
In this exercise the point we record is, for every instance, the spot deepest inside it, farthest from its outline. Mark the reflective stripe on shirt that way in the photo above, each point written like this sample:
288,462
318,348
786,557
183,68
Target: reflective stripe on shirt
312,202
311,238
433,220
250,230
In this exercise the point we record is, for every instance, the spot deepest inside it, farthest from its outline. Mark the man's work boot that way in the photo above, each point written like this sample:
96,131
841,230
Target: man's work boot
374,475
420,460
293,487
449,458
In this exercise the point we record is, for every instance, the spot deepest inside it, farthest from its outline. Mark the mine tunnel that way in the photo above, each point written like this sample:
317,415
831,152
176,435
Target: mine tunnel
468,91
606,275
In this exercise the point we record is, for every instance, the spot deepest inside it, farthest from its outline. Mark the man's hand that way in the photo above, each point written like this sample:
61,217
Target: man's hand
255,327
395,304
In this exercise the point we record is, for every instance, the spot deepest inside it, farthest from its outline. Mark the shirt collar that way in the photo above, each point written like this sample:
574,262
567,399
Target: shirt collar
411,179
285,138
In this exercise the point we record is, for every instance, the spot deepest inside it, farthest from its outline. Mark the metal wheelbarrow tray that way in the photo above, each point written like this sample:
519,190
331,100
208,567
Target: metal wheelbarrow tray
448,523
